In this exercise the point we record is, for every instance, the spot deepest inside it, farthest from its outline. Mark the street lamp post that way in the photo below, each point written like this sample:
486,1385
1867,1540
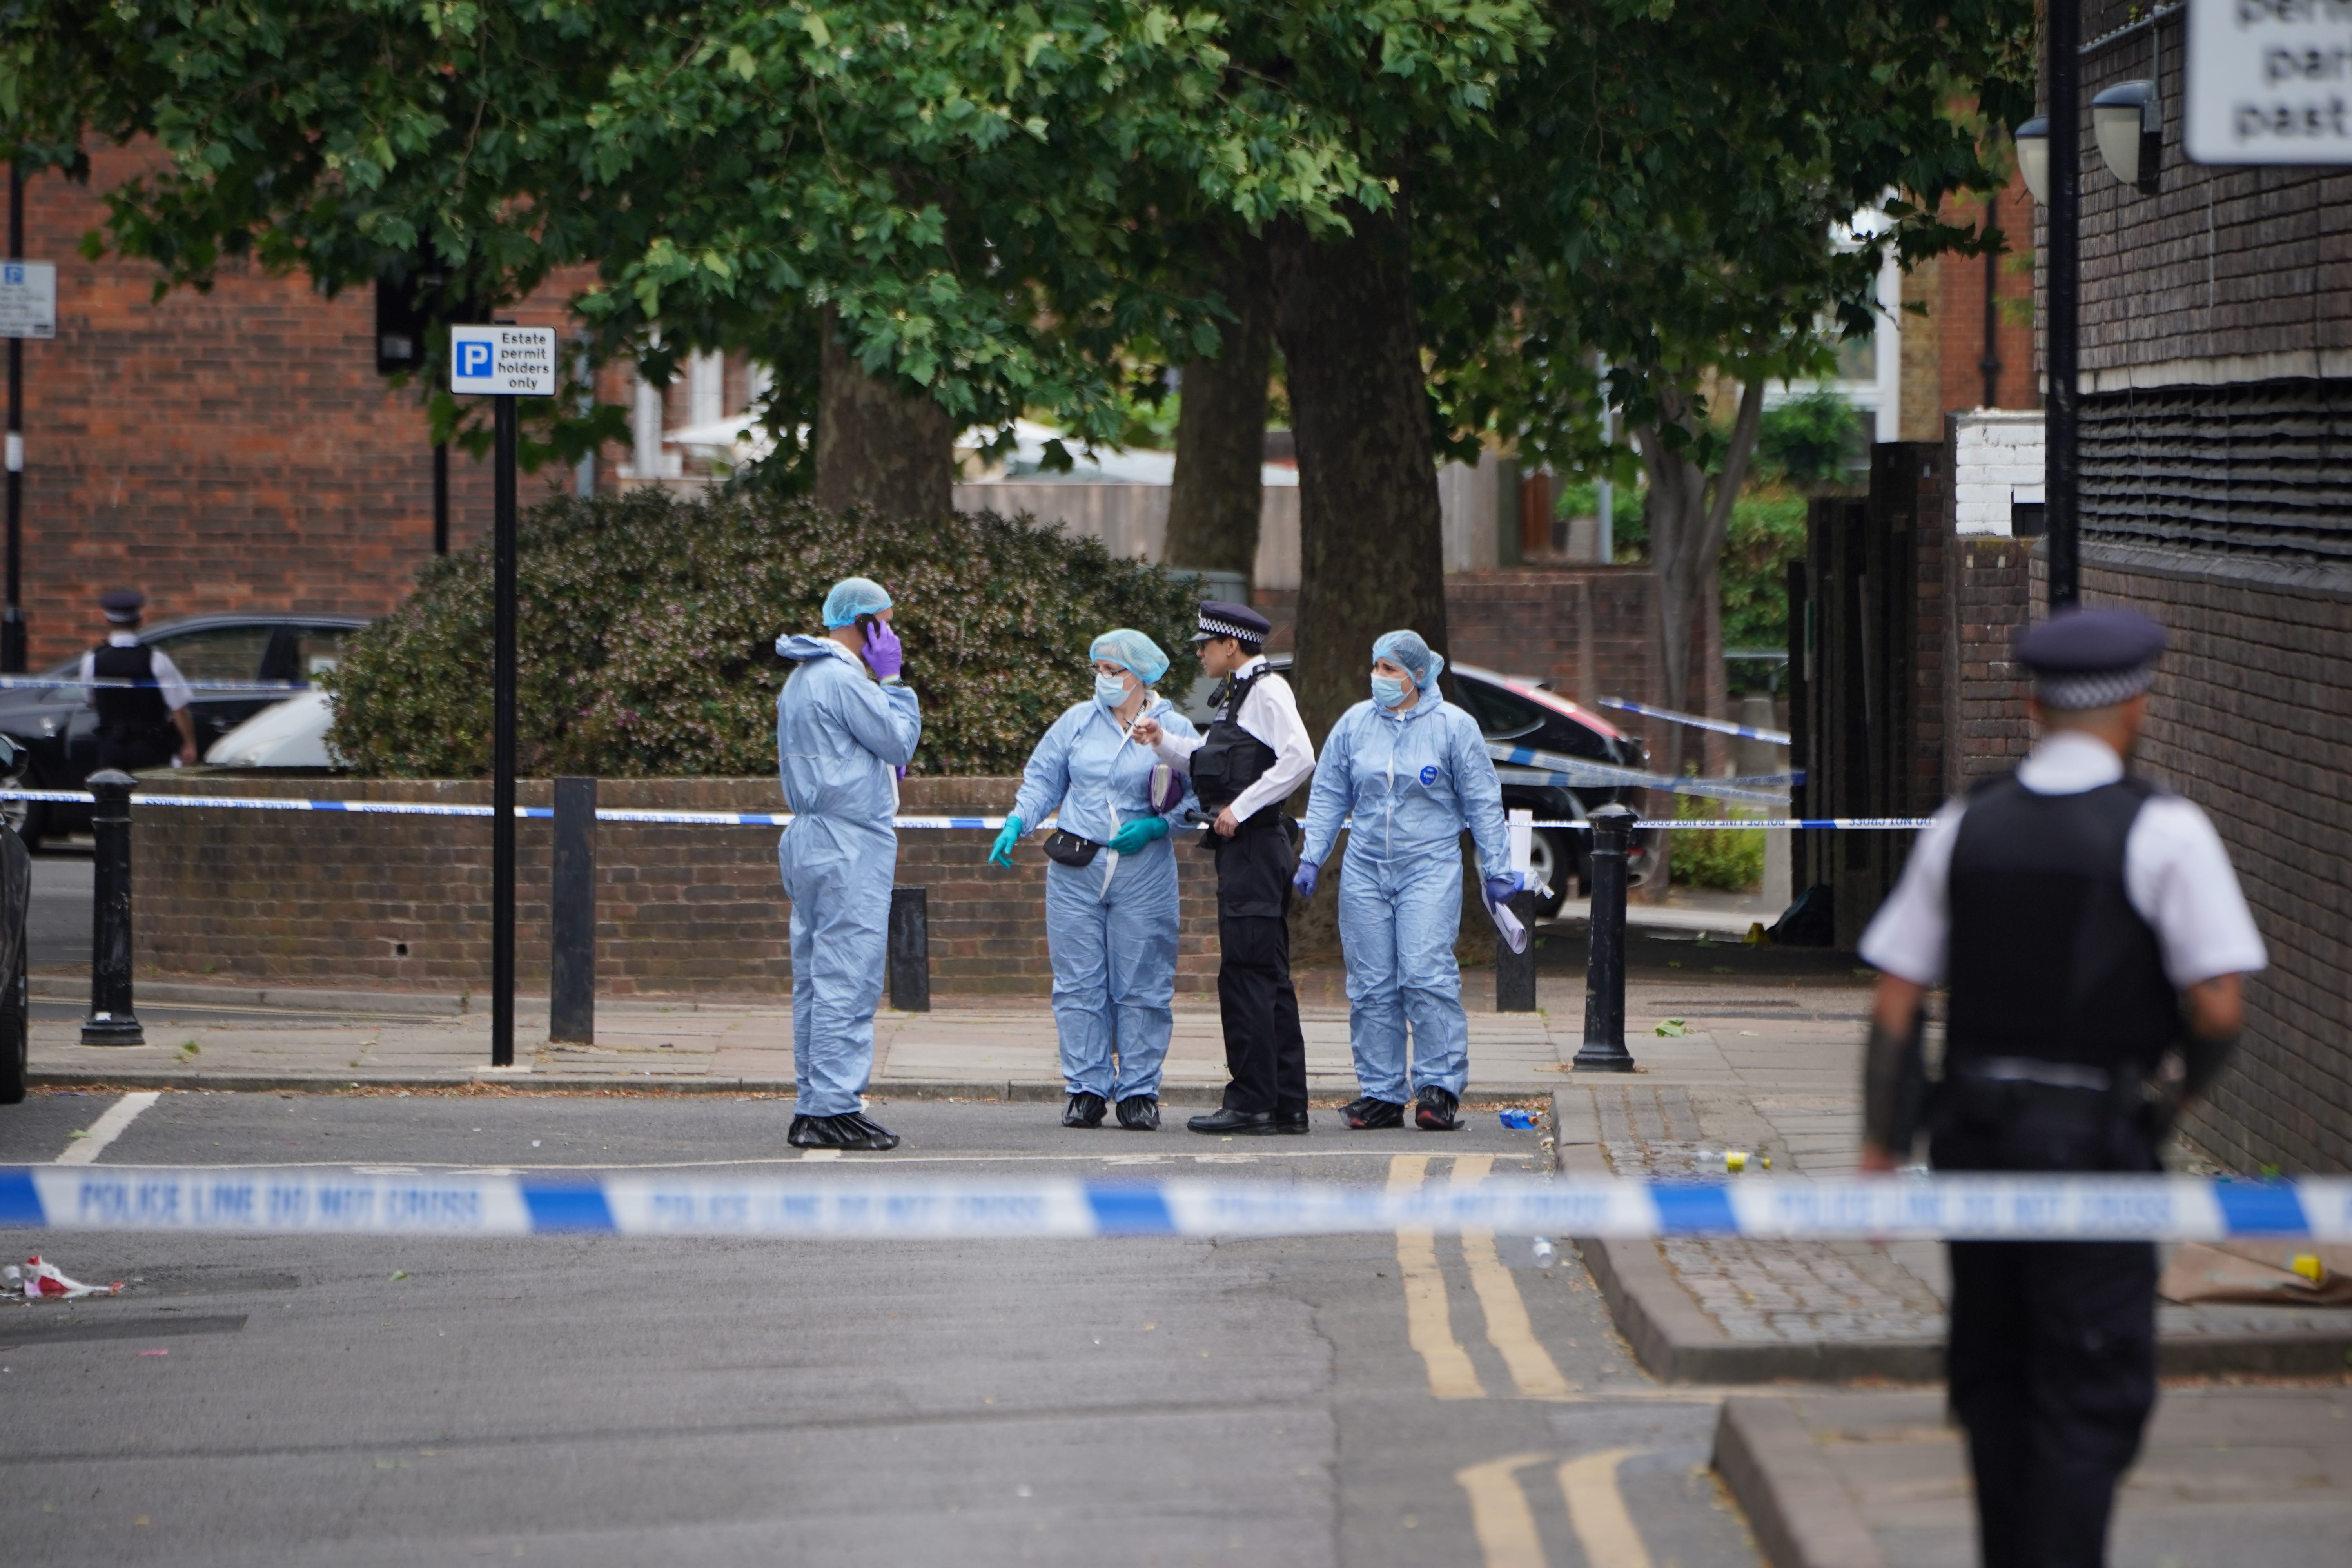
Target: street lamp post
2062,488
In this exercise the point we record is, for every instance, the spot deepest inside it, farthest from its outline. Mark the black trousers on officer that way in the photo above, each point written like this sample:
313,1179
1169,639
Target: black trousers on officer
133,747
2052,1353
1266,1054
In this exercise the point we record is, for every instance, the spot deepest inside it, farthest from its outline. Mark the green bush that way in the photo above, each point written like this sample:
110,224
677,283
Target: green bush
1766,531
647,630
1731,858
1813,441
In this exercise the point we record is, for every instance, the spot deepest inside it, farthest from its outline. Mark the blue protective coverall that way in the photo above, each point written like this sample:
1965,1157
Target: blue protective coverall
839,740
1412,782
1110,927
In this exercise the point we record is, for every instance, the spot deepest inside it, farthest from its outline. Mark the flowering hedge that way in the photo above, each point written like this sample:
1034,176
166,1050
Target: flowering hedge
647,630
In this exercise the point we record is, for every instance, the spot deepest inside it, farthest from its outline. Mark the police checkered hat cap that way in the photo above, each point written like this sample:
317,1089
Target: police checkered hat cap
123,604
1221,618
2091,658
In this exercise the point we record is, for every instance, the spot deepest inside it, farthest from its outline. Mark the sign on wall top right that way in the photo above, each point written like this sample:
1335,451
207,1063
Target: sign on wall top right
2270,81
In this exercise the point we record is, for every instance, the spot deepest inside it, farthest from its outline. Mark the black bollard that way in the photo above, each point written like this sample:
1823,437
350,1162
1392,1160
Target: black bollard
1604,973
111,1021
1515,973
572,897
910,950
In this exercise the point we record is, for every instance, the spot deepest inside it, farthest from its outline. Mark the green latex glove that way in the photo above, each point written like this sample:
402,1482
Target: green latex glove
1006,837
1136,833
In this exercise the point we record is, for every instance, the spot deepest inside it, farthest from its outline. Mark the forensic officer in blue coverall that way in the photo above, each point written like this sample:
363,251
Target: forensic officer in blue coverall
1412,771
1110,883
841,742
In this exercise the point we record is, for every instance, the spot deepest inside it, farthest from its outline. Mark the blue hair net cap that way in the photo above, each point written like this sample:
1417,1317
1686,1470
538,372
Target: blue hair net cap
852,597
1133,650
1406,649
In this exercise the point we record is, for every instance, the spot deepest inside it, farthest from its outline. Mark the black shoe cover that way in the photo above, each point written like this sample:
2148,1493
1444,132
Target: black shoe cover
1085,1110
1367,1113
1436,1111
847,1131
1140,1113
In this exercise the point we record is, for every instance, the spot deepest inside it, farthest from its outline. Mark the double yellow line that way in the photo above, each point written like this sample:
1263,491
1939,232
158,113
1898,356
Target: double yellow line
1429,1319
1504,1524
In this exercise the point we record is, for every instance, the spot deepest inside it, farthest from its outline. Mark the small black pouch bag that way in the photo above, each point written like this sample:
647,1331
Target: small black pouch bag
1069,850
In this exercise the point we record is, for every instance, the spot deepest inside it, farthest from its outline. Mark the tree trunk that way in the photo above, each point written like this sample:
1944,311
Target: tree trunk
1689,517
1214,504
1370,536
879,444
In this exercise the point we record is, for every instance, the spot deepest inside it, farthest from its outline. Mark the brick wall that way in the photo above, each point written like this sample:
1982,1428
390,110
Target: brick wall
1944,325
1984,690
403,901
2251,718
223,451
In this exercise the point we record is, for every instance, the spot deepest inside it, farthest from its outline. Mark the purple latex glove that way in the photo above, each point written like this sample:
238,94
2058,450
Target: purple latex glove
1304,877
885,655
1500,889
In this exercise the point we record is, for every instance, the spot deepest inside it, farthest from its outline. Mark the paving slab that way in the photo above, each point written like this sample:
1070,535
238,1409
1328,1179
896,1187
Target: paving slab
2243,1477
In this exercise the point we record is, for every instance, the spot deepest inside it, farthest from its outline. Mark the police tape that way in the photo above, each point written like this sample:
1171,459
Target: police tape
1745,732
110,682
1788,1208
784,818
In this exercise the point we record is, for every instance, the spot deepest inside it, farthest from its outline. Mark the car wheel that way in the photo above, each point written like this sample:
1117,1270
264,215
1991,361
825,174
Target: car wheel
1552,854
15,1036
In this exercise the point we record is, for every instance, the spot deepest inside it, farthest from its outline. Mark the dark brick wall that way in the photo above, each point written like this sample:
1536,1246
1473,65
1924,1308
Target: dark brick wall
2251,718
319,898
1983,690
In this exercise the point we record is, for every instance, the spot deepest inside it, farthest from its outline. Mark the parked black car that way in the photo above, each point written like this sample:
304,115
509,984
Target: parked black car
59,729
1516,711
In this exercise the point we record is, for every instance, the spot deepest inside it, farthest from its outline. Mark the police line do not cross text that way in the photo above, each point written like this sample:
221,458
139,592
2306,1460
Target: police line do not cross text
514,361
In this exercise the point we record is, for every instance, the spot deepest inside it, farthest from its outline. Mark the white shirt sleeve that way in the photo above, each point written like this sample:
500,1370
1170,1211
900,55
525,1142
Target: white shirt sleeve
1176,750
2178,877
1911,937
1270,712
89,674
171,683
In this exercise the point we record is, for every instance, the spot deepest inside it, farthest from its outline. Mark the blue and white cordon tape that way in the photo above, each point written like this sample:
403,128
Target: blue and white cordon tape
1745,732
784,818
1968,1208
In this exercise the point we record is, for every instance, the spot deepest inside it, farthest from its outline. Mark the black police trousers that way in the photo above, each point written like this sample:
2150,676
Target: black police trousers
2052,1353
1266,1054
132,748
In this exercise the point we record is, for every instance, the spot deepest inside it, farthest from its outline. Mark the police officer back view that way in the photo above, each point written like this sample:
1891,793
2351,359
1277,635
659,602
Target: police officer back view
2088,925
147,724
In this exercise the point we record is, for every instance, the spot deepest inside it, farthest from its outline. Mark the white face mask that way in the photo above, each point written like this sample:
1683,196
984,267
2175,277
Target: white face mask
1111,690
1387,690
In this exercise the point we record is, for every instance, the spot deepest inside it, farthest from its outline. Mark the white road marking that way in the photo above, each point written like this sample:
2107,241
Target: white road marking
108,1128
1499,1515
1508,1328
1429,1325
1596,1507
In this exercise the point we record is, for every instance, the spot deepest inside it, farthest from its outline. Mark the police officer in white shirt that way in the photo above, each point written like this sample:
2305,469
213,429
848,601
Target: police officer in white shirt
146,723
2092,935
1243,770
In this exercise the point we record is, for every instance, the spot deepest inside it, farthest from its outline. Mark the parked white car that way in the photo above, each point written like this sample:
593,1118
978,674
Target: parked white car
289,735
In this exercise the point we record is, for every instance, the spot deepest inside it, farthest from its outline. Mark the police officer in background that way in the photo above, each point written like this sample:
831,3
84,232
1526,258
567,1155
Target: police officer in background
2093,935
143,725
1255,753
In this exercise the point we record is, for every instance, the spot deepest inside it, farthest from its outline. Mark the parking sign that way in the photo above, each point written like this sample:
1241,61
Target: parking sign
2270,81
28,300
517,362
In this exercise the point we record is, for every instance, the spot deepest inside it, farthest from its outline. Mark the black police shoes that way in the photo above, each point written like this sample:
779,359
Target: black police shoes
1083,1110
1290,1122
1239,1123
1434,1113
1140,1113
1367,1113
847,1131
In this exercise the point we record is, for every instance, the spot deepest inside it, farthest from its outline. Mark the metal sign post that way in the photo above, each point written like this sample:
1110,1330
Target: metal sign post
28,309
502,362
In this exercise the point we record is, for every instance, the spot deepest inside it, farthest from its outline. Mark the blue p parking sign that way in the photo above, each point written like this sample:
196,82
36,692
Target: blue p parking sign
514,361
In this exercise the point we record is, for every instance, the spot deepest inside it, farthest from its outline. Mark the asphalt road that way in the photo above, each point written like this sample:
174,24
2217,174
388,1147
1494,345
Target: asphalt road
57,920
603,1399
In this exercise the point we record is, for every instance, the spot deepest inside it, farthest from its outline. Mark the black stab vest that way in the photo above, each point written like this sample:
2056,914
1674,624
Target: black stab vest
1229,758
2049,960
124,706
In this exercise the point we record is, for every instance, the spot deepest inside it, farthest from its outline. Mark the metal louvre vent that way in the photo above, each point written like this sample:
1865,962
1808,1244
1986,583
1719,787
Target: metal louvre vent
2255,469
